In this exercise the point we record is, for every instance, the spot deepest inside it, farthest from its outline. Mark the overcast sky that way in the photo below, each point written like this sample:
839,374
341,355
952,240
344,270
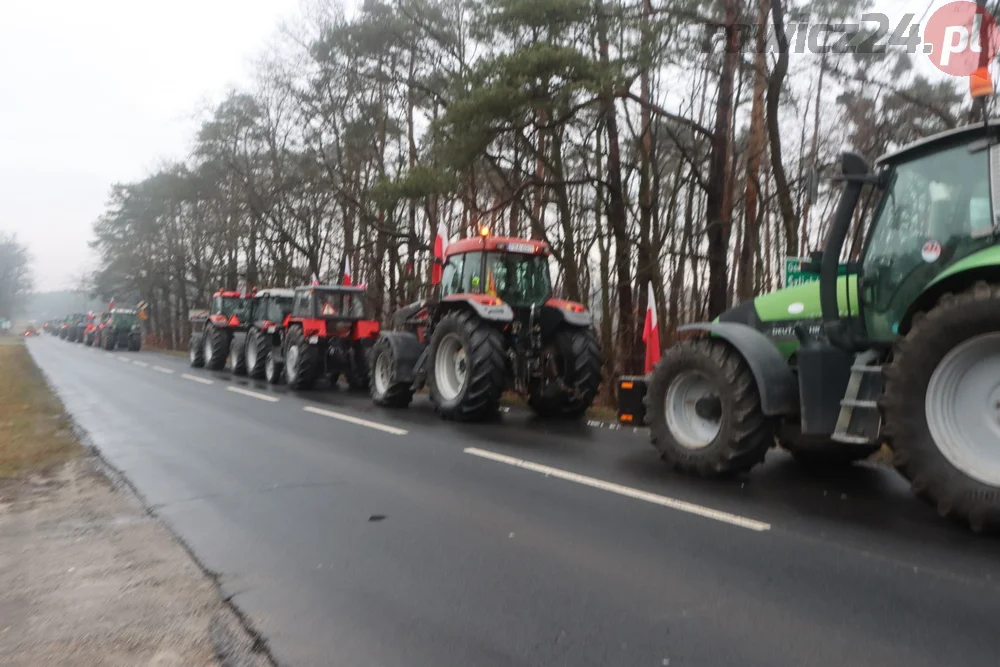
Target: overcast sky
98,91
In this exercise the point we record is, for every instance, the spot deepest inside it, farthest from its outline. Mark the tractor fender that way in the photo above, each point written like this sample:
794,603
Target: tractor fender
570,312
406,351
484,306
776,383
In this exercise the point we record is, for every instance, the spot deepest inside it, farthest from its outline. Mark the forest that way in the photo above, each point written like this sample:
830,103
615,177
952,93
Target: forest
690,145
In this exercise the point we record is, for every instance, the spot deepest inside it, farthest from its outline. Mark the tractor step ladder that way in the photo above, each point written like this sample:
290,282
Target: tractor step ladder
852,399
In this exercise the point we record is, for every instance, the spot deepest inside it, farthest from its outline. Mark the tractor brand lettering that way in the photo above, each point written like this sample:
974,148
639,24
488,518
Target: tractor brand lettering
521,247
786,328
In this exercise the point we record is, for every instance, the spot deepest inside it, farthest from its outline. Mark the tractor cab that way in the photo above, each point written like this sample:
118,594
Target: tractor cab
229,308
123,319
329,302
270,307
515,271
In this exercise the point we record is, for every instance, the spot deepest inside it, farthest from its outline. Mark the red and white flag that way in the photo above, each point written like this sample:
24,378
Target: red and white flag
315,281
440,243
651,332
111,306
347,270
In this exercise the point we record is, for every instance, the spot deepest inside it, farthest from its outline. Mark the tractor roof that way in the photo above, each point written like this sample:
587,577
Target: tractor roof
936,140
497,244
229,294
353,289
276,291
124,311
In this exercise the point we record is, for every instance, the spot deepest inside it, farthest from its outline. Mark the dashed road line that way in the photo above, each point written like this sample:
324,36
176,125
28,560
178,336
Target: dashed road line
627,491
141,364
195,378
254,394
163,370
125,359
356,420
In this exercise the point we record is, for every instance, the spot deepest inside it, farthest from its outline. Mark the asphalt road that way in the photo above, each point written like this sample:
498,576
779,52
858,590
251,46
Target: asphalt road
351,535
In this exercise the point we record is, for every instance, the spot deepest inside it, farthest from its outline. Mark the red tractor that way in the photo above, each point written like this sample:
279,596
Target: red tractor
327,334
493,326
265,314
211,336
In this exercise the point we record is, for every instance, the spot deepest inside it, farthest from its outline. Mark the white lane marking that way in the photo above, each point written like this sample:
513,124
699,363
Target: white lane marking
125,359
163,370
254,394
195,378
356,420
656,499
141,364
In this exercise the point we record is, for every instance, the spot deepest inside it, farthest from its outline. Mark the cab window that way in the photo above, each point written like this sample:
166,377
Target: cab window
451,278
472,281
301,308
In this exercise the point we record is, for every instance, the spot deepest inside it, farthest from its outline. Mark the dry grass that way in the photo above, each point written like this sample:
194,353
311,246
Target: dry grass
35,432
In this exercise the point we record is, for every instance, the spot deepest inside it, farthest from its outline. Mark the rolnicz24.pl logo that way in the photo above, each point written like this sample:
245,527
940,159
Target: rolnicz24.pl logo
958,37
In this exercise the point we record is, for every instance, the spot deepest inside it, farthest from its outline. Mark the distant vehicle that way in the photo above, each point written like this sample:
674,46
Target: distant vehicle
121,329
30,330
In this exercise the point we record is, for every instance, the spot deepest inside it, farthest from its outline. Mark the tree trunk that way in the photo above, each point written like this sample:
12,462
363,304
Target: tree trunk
774,86
718,206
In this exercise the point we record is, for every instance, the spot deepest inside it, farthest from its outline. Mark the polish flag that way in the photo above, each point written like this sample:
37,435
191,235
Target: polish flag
651,332
440,243
347,270
111,306
315,281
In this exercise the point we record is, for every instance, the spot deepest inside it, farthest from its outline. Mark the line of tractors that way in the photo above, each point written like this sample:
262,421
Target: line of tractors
114,329
491,327
897,347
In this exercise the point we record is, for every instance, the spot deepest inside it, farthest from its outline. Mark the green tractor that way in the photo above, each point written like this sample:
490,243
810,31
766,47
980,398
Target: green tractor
120,328
901,347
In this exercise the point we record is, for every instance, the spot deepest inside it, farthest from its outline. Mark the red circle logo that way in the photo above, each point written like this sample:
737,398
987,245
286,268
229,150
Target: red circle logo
959,36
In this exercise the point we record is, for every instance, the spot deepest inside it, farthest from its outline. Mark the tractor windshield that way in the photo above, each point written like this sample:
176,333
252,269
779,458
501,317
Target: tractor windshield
230,305
935,211
518,279
122,320
277,308
339,304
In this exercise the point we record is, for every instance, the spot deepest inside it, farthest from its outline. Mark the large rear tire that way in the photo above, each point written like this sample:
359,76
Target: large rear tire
237,355
258,349
577,357
301,360
110,338
704,410
196,351
941,406
135,343
467,369
216,345
386,391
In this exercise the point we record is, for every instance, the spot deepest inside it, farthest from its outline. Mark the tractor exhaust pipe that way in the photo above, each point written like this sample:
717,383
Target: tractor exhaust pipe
855,176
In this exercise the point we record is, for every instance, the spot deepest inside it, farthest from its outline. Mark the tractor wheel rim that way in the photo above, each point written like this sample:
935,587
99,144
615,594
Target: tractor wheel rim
208,350
691,430
252,353
962,406
382,373
450,367
291,366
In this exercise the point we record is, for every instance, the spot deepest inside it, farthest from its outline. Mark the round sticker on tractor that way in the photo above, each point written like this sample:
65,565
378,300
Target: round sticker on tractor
796,308
931,251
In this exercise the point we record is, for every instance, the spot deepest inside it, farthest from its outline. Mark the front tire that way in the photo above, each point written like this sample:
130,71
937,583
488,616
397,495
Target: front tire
237,356
216,345
577,357
704,410
386,392
196,351
258,350
110,338
301,361
941,406
467,367
272,369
